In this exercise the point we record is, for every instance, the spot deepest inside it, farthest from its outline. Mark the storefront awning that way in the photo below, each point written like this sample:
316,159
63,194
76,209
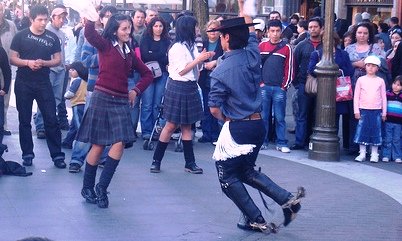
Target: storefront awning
179,2
379,3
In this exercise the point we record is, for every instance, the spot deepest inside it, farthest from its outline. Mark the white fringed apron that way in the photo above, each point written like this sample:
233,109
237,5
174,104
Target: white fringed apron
227,148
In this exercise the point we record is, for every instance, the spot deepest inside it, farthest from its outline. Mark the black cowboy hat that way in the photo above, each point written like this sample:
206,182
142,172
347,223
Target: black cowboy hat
232,23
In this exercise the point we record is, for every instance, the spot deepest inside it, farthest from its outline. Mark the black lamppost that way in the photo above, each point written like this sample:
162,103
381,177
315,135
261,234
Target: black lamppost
324,143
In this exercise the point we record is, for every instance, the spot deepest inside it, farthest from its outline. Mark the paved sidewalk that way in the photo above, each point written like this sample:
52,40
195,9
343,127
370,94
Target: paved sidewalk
175,205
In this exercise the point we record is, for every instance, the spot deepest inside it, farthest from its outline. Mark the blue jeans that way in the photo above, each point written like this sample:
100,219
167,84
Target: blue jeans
392,141
150,102
57,81
26,92
78,113
275,96
234,172
305,116
135,111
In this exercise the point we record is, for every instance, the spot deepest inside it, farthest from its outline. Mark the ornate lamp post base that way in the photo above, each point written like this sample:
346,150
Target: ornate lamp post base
324,145
324,142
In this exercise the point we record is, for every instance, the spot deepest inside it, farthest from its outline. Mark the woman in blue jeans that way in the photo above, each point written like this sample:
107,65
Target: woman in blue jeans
154,47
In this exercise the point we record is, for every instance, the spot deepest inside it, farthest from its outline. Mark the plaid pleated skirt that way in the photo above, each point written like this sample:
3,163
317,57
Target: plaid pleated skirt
106,121
182,102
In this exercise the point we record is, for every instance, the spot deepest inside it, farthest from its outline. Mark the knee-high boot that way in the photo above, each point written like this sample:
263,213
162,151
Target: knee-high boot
158,156
104,181
188,152
263,183
87,191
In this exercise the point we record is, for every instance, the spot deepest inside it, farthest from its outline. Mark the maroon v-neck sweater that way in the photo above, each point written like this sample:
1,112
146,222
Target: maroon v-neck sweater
113,68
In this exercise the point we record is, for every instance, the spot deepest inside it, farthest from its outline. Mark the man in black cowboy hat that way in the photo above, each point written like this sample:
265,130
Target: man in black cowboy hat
235,98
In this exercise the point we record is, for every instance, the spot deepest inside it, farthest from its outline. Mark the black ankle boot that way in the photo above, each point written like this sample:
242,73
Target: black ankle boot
101,197
155,167
89,195
193,168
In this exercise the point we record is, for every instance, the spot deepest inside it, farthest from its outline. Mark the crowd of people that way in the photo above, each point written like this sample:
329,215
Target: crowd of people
302,50
234,81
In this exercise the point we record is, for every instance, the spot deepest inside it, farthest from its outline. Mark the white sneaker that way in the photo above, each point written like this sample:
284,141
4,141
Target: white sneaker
361,157
385,159
398,160
374,158
283,149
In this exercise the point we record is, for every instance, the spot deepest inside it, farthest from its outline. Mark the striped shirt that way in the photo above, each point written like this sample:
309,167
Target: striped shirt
394,107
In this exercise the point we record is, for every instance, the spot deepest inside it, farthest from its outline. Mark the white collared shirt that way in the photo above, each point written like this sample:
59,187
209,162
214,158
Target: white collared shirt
126,48
179,56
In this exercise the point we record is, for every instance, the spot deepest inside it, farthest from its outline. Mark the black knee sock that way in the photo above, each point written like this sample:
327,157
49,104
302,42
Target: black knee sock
160,150
89,175
108,172
188,152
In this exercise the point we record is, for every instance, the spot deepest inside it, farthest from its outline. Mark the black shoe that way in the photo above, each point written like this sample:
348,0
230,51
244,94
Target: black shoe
297,147
7,132
292,206
41,135
27,161
66,145
74,168
193,168
204,140
89,195
101,197
155,167
59,163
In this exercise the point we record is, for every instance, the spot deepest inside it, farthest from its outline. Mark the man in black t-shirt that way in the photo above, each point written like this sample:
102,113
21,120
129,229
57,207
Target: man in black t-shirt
34,50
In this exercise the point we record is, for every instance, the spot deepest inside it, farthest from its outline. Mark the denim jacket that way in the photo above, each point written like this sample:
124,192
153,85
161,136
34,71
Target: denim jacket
235,82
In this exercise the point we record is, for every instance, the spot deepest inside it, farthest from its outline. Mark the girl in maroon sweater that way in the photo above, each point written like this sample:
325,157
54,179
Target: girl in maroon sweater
107,120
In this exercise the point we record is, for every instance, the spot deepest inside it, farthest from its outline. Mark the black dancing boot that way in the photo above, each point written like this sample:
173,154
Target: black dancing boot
188,151
104,181
87,190
158,156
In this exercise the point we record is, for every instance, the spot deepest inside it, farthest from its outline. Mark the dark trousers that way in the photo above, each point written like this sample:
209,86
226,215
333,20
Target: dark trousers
233,172
25,92
209,125
305,117
1,119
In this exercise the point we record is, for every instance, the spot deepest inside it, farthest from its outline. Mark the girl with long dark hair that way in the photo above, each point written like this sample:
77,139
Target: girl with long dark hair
107,120
182,103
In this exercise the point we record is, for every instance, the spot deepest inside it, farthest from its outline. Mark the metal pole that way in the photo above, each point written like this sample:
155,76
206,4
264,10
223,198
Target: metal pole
324,143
